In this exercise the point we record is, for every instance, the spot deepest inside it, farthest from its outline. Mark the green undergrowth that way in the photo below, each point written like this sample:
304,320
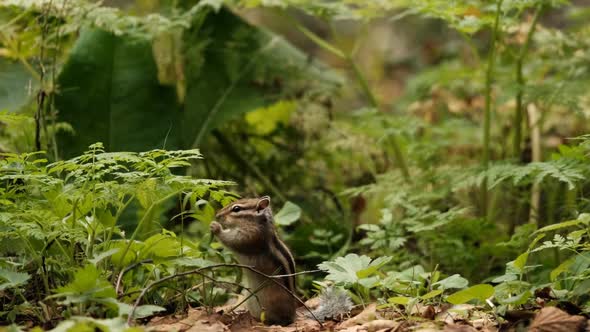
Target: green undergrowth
83,236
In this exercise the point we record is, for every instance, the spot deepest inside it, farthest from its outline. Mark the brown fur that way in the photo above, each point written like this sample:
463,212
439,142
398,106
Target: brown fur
250,233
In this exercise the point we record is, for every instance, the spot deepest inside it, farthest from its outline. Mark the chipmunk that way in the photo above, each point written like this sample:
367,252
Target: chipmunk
247,228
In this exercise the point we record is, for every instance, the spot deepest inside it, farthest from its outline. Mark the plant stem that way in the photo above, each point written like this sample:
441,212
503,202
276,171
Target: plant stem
117,216
233,152
488,106
147,213
362,81
520,80
535,128
397,151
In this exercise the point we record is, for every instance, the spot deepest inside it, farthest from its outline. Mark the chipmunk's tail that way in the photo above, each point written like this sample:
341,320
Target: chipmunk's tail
334,303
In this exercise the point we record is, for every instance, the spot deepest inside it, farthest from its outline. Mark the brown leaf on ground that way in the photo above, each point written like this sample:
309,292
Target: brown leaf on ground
459,328
367,315
378,325
460,318
459,312
195,320
428,312
551,319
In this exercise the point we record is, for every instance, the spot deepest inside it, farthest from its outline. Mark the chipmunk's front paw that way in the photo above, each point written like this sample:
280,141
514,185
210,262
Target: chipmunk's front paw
215,227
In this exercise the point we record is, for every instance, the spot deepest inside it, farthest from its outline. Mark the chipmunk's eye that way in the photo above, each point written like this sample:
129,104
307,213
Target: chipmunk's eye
236,208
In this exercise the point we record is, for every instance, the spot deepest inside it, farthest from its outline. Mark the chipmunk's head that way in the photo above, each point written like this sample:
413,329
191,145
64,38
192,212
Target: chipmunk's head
245,212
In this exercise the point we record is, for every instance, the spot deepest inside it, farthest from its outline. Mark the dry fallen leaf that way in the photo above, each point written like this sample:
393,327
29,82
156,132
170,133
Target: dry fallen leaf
459,312
367,315
551,319
459,328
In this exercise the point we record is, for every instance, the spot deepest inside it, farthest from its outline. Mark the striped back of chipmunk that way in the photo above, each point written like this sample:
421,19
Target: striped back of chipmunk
251,210
287,261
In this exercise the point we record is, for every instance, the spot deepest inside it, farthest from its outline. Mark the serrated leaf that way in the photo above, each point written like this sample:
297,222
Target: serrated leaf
477,292
13,279
351,268
373,267
88,284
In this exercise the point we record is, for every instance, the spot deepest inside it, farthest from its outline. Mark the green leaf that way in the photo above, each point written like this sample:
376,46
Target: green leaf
88,285
16,85
431,294
403,300
203,211
289,214
375,265
87,324
520,261
141,311
582,219
265,120
505,277
230,68
103,255
519,299
563,267
351,268
160,246
582,288
123,104
480,292
147,310
234,68
13,279
454,281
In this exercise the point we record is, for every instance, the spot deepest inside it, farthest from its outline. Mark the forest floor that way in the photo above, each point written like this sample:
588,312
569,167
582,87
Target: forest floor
422,318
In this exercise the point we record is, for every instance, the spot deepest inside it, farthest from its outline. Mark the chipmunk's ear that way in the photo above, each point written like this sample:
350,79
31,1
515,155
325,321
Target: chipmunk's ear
263,203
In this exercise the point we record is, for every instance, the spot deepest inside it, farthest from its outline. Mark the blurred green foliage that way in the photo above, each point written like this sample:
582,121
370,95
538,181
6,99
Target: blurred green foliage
371,134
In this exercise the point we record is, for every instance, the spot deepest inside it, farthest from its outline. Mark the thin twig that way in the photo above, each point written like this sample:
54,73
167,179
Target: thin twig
199,270
235,284
488,106
127,269
294,274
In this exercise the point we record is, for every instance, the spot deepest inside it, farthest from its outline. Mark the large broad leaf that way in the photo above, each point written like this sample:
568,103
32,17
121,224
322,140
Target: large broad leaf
109,89
109,92
16,84
235,68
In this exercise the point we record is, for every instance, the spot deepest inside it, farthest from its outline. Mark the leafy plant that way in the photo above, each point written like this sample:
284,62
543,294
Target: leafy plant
358,273
63,222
